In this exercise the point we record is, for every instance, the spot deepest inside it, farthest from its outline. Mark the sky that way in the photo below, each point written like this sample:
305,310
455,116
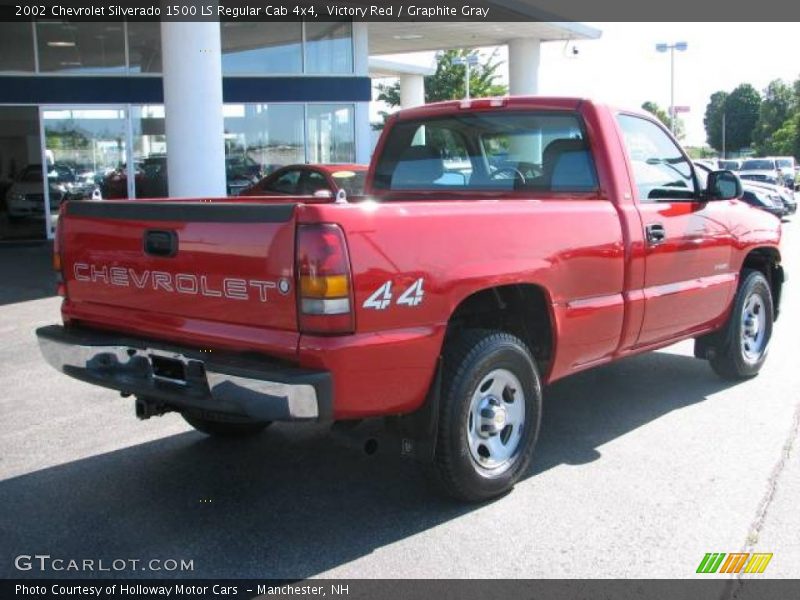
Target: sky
624,69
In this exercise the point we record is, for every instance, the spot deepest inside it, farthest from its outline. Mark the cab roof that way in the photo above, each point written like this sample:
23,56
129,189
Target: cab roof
513,102
454,106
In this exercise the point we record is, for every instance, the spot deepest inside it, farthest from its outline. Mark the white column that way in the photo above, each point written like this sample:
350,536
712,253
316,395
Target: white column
363,130
523,80
192,64
412,90
523,66
364,144
361,48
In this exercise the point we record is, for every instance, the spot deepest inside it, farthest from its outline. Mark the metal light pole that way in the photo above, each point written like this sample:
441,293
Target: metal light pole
724,127
468,61
680,47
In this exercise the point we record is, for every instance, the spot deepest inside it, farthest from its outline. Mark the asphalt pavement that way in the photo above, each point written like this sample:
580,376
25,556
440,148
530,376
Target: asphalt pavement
642,467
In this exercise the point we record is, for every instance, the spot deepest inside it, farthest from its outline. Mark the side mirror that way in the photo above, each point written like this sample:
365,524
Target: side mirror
723,185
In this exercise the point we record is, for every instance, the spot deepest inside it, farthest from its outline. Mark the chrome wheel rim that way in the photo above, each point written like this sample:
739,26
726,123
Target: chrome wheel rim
753,328
496,420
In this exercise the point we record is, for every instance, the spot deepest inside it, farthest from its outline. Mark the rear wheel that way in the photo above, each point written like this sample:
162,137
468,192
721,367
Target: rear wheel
229,429
741,347
489,415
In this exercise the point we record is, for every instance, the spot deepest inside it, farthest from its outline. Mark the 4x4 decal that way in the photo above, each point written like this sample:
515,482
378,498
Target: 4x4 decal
381,298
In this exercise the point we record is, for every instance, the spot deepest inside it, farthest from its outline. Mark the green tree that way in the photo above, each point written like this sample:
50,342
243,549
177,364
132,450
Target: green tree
655,110
778,105
662,115
66,136
696,152
786,140
741,111
448,81
712,120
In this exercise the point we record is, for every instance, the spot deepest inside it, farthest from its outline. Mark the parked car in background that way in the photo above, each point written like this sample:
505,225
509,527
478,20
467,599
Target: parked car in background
787,195
760,195
764,170
764,200
25,197
323,181
241,172
151,181
114,185
787,166
730,164
76,183
79,184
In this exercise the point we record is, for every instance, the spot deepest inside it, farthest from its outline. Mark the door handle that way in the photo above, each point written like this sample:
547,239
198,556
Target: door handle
655,233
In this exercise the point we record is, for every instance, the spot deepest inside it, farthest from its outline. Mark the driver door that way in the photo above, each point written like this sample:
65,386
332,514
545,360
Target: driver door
689,280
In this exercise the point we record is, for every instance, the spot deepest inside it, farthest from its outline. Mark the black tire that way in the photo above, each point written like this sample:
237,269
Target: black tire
471,359
731,357
227,429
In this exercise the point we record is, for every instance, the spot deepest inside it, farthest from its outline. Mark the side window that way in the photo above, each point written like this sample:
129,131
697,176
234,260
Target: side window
660,170
286,183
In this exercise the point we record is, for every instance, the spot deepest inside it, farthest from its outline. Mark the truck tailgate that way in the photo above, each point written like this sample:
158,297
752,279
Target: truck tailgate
220,261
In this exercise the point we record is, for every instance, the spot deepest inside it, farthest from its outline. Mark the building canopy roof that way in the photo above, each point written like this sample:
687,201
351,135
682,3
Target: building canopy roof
402,37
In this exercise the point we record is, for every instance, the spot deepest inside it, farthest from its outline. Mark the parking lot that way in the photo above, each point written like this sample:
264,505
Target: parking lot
642,467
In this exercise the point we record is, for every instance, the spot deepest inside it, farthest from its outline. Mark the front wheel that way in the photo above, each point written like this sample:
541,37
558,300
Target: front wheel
743,343
489,415
227,429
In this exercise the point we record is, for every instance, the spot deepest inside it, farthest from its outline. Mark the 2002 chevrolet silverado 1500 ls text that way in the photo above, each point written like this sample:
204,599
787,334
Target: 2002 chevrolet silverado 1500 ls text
501,244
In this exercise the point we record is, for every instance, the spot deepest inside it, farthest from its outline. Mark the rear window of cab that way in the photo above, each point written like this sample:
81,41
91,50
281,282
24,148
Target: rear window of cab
509,151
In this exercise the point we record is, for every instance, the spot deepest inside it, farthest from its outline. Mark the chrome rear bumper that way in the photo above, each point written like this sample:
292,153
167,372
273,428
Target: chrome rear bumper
184,378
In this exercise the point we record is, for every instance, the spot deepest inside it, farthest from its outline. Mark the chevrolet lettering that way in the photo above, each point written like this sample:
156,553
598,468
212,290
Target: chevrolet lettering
233,288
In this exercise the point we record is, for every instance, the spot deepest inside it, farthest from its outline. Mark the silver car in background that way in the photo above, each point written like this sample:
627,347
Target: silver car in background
762,170
774,199
788,168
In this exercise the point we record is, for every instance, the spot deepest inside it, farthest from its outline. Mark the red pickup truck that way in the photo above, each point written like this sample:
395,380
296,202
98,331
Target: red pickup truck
501,244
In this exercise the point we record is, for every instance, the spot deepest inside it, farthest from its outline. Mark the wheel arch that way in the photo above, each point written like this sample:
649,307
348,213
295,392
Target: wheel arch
767,260
521,309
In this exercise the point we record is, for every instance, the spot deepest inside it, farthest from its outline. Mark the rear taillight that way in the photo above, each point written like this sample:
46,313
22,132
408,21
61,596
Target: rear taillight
58,264
324,281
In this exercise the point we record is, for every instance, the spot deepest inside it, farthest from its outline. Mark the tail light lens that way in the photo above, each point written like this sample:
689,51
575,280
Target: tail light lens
324,281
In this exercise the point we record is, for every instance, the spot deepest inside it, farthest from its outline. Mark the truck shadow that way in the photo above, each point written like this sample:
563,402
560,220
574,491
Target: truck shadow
26,271
290,503
587,410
